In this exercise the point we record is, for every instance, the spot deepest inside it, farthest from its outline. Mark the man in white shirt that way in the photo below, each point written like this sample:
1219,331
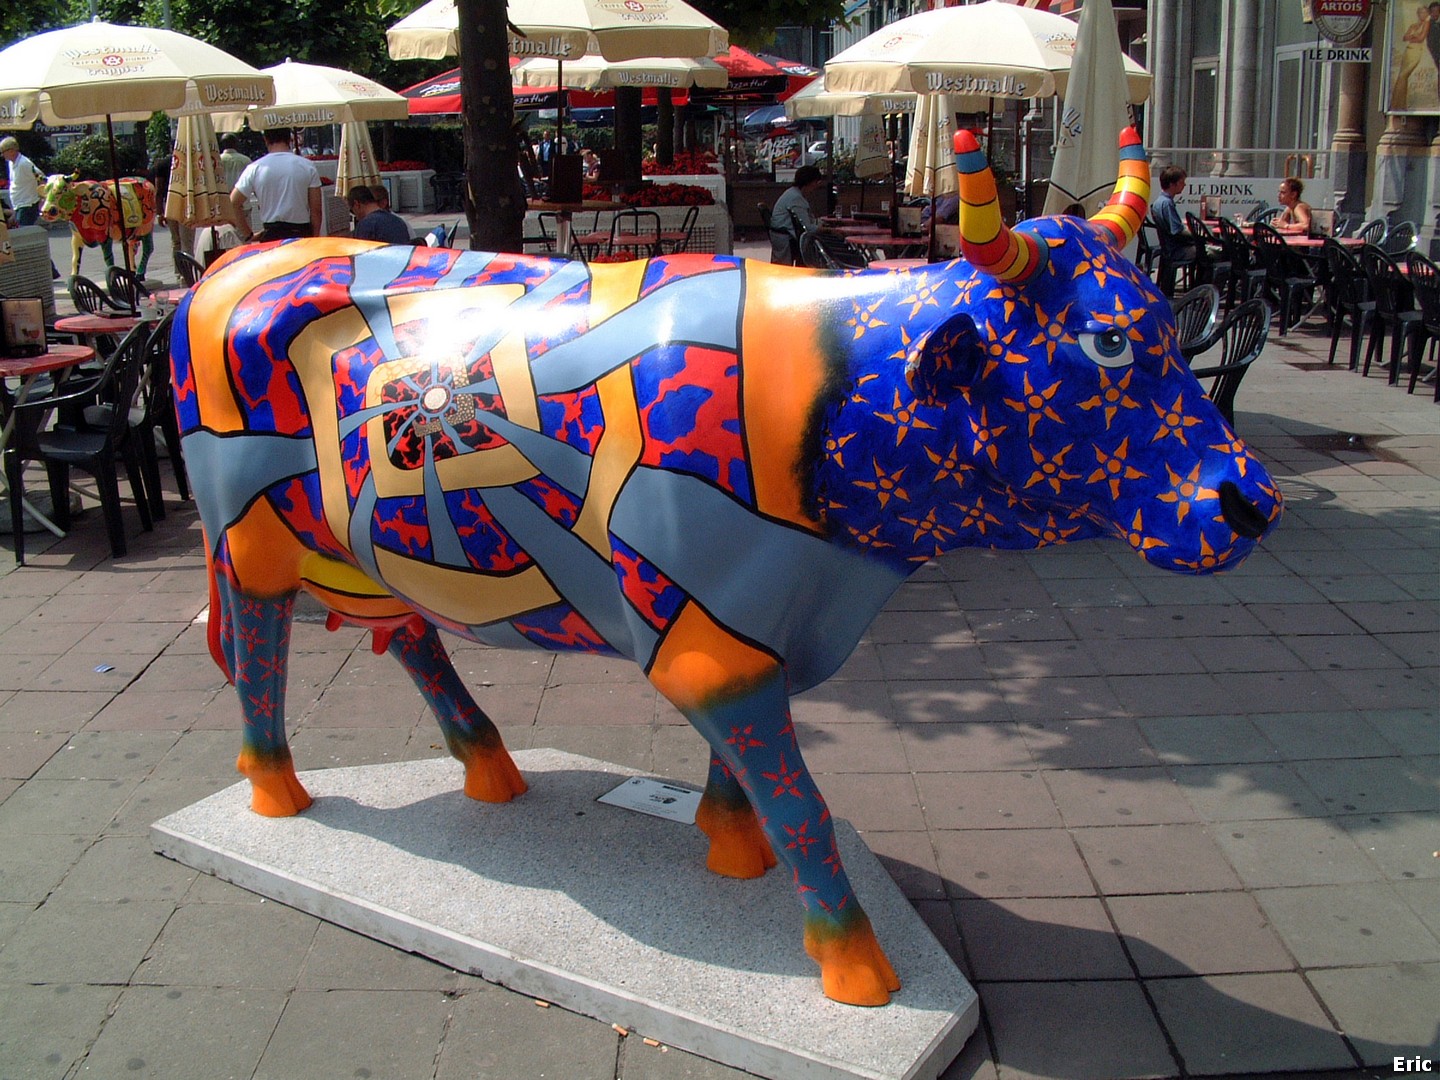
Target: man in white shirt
25,183
286,191
232,160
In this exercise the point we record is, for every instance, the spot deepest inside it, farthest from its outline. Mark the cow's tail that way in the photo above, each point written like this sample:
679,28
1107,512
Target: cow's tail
219,622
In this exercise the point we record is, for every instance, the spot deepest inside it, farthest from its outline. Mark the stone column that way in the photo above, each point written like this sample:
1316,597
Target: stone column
1349,162
1164,64
1242,65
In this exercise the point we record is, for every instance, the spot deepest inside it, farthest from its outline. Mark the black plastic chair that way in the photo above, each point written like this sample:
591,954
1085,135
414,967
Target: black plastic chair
1213,264
1287,278
1247,274
93,450
1177,271
1241,339
1259,211
1372,232
830,251
1347,297
1425,281
542,236
1345,225
125,287
1400,240
635,231
675,241
189,269
90,298
1147,247
1197,319
1395,312
1265,215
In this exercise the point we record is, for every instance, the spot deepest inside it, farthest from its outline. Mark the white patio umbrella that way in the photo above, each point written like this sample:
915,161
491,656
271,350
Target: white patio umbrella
816,101
597,73
197,194
568,29
357,158
983,50
1087,154
101,72
312,95
930,169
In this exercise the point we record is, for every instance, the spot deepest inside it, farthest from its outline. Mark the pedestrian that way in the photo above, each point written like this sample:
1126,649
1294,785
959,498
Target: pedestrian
27,183
547,153
372,222
232,161
793,215
286,190
590,163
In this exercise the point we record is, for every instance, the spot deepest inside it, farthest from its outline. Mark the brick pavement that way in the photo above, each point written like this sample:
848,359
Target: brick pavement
1168,827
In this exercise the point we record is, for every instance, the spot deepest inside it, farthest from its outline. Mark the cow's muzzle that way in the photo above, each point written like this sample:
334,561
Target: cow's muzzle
1240,513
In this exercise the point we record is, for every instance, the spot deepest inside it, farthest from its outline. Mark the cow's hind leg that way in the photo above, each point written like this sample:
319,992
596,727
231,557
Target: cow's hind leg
146,245
738,847
252,636
490,772
735,695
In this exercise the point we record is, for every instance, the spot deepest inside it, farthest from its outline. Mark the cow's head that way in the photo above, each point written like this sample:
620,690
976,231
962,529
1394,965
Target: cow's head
61,197
1061,360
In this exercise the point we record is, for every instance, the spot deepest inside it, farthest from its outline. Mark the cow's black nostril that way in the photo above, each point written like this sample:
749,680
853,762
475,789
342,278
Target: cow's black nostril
1240,513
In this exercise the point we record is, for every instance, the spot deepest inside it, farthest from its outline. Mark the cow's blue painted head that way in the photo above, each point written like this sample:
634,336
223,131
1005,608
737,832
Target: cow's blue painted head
1051,389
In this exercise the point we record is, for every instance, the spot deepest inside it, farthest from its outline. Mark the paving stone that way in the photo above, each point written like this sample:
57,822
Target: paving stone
340,959
44,636
1424,900
569,668
1375,785
1049,939
45,1029
247,945
840,748
853,702
1087,743
1079,1030
130,636
1401,845
1160,656
1386,1011
1233,653
22,753
1323,735
1299,851
628,746
329,748
575,704
1038,659
497,1035
1150,695
352,706
19,671
1337,925
66,807
882,801
1246,791
106,871
1247,1024
108,755
976,800
35,863
1197,934
948,660
949,701
639,1061
1205,740
1383,688
1011,862
81,942
909,859
1155,859
1044,699
194,1031
31,711
965,747
927,627
88,671
368,1033
139,710
1142,796
153,799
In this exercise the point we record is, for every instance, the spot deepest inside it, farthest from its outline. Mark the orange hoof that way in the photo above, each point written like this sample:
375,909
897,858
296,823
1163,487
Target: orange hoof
275,790
491,775
738,847
853,968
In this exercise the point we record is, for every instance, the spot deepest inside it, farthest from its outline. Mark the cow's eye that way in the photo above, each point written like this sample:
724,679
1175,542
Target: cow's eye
1109,348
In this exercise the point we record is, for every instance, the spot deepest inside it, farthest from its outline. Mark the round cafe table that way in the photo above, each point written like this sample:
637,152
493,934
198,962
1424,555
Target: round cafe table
27,369
899,264
94,327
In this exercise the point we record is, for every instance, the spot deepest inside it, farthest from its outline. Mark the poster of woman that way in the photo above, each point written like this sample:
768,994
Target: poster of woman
1414,68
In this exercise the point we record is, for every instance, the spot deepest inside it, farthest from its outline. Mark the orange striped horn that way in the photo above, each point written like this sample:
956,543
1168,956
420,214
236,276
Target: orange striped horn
1122,215
988,245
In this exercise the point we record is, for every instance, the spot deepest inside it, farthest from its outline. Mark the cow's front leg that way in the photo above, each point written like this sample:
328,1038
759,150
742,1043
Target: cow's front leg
738,847
146,246
77,248
736,697
473,739
254,638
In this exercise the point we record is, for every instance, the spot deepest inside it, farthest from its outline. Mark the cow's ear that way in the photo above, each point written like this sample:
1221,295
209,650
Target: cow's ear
944,360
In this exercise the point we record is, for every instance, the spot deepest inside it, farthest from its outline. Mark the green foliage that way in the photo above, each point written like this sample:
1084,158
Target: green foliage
90,157
157,138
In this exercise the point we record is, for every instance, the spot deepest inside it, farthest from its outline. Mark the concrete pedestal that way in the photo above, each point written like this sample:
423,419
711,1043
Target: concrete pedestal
600,909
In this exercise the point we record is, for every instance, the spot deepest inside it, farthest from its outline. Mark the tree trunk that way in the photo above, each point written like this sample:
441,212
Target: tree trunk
665,128
495,206
628,136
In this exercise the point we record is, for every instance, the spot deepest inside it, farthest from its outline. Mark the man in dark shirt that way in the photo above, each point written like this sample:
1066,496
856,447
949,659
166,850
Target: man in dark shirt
373,223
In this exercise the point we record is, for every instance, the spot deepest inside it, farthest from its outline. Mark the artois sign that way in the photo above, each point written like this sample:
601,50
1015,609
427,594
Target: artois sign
1342,21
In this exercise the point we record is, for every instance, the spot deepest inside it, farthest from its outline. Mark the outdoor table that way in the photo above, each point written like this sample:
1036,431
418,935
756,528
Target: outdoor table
94,327
27,369
887,243
898,264
172,296
564,212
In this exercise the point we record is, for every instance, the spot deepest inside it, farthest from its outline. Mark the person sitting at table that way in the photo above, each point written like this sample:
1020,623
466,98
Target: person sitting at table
793,205
1178,246
590,163
373,223
1295,218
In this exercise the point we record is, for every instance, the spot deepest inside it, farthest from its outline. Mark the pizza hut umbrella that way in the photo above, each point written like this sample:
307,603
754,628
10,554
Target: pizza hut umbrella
101,72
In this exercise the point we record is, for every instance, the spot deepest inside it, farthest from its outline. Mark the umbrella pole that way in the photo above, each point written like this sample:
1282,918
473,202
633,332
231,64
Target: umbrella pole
561,101
119,205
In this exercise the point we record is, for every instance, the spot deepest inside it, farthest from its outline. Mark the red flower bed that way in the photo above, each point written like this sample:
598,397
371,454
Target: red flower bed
687,163
402,166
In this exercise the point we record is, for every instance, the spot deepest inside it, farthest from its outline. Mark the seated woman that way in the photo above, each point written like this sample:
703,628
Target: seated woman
1295,218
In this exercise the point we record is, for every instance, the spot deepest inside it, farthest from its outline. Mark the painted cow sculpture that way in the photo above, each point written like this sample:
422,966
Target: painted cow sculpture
718,468
89,205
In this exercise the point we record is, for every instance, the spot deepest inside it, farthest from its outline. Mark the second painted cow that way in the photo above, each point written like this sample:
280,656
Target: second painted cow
720,469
